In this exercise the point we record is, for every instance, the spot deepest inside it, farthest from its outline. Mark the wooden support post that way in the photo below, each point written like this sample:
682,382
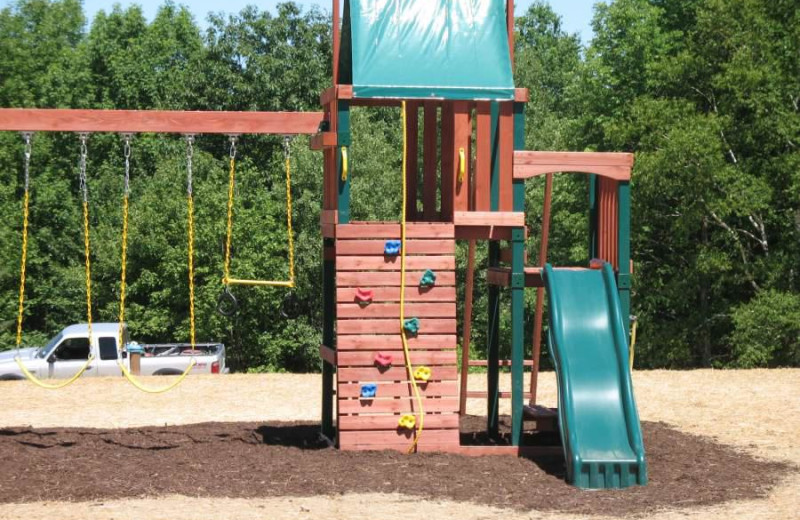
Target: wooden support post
462,134
344,168
328,333
624,252
517,332
465,344
593,224
517,277
448,162
539,317
506,156
429,160
510,28
412,170
336,42
483,156
493,347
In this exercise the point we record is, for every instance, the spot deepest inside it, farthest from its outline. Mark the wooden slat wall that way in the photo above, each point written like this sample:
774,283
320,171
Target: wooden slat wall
364,331
607,221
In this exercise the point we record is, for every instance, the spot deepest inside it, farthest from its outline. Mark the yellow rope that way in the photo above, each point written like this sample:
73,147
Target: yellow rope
23,266
124,269
633,344
406,354
226,277
87,251
32,378
122,292
151,390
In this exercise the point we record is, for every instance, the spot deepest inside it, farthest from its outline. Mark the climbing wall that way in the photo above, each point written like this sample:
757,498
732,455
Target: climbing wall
370,330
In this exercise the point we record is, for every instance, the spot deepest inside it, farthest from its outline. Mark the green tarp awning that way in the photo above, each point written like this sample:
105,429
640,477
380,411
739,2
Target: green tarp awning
426,49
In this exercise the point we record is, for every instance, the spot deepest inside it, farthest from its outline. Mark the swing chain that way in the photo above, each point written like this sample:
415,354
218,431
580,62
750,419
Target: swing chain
286,148
126,152
189,156
27,136
233,139
84,136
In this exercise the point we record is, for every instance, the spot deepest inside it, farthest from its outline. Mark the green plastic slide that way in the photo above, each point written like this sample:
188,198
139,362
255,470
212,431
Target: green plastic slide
600,427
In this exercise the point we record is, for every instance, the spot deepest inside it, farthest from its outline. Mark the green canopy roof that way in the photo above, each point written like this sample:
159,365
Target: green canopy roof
426,49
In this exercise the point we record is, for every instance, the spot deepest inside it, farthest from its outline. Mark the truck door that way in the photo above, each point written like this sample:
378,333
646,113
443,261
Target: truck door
108,357
69,356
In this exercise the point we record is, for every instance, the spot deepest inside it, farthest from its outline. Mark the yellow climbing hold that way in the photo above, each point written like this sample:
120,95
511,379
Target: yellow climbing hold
422,374
407,421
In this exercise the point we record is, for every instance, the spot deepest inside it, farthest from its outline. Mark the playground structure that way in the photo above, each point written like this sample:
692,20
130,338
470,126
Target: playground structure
390,370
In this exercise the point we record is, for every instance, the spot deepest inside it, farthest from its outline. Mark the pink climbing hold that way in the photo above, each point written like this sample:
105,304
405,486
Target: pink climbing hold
364,296
383,360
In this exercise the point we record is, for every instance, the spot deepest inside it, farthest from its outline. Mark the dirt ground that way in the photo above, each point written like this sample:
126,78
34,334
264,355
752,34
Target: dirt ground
710,436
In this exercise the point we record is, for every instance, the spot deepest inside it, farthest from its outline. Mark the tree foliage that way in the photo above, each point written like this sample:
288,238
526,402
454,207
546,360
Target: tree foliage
704,92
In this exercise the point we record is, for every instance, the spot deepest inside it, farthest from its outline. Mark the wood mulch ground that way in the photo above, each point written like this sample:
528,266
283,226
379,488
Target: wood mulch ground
255,460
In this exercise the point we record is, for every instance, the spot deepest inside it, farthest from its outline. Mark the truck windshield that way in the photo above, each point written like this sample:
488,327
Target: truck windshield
45,350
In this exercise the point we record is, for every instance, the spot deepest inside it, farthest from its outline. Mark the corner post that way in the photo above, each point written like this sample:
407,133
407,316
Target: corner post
343,164
493,324
328,334
518,291
624,275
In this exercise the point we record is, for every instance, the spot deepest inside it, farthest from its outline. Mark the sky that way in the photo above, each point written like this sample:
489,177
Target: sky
576,14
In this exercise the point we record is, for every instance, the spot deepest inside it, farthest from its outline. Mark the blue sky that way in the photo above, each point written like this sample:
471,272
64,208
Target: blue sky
576,14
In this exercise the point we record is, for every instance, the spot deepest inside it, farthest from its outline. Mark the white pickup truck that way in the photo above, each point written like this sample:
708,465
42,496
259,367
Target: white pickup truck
68,351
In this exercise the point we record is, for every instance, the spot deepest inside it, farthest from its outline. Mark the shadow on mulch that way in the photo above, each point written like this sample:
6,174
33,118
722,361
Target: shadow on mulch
248,460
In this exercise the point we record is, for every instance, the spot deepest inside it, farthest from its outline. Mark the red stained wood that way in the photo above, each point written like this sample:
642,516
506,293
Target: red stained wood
483,157
392,230
506,129
480,394
502,276
336,41
389,278
397,373
159,121
392,326
389,422
501,362
615,166
608,220
323,140
392,310
430,162
412,168
437,389
328,216
357,358
328,230
400,405
467,335
484,233
396,439
385,343
327,354
412,247
379,263
521,95
448,163
489,218
462,134
392,294
510,29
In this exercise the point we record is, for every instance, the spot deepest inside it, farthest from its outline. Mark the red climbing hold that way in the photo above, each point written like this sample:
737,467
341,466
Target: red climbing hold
364,296
383,360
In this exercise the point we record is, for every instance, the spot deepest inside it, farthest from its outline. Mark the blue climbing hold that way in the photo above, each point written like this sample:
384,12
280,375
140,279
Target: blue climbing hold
412,326
428,279
392,247
369,390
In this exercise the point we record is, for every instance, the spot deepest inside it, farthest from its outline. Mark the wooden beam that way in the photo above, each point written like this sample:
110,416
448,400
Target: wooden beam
489,218
429,160
412,166
615,166
323,140
327,354
483,157
158,121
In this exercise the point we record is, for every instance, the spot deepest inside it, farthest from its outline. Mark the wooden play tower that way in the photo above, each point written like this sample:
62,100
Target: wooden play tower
459,95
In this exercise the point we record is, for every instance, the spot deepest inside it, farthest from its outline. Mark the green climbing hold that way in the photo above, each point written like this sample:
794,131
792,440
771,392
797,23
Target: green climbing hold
412,326
428,279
